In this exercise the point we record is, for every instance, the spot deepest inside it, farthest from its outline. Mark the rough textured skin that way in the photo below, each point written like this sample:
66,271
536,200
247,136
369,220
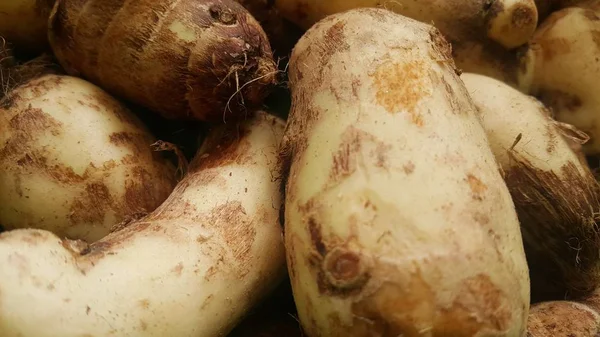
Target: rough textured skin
397,220
75,161
24,23
562,319
560,67
182,59
556,195
193,267
479,30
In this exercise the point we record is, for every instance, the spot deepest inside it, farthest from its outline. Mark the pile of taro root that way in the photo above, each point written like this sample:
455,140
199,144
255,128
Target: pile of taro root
288,168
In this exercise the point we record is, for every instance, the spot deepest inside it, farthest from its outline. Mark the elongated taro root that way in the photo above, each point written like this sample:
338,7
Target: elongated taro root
74,160
397,220
206,60
25,24
560,67
193,267
480,31
555,193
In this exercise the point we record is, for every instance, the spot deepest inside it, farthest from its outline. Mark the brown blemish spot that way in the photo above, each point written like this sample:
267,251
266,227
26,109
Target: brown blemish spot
344,163
393,309
100,248
27,125
481,218
355,144
178,269
442,47
144,304
409,167
552,138
207,301
88,310
401,86
92,206
315,236
339,271
237,230
553,47
143,325
324,49
477,186
344,269
334,37
477,294
223,147
121,138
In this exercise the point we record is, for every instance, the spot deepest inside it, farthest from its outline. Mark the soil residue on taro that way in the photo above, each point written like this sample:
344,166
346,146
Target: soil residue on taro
401,86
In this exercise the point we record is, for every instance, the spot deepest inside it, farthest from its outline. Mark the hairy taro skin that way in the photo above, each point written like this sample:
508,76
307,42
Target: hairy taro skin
397,220
556,195
182,59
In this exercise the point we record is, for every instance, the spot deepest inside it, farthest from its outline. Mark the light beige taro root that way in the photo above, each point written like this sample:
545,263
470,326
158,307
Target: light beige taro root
206,60
482,32
556,195
397,220
193,267
73,159
560,66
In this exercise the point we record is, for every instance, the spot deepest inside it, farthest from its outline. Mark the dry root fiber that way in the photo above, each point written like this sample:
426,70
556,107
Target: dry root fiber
556,195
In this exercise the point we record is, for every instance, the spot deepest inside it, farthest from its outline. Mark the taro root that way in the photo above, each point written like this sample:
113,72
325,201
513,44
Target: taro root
206,60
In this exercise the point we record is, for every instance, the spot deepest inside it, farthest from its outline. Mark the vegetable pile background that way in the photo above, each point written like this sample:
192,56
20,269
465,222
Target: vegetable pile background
260,168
